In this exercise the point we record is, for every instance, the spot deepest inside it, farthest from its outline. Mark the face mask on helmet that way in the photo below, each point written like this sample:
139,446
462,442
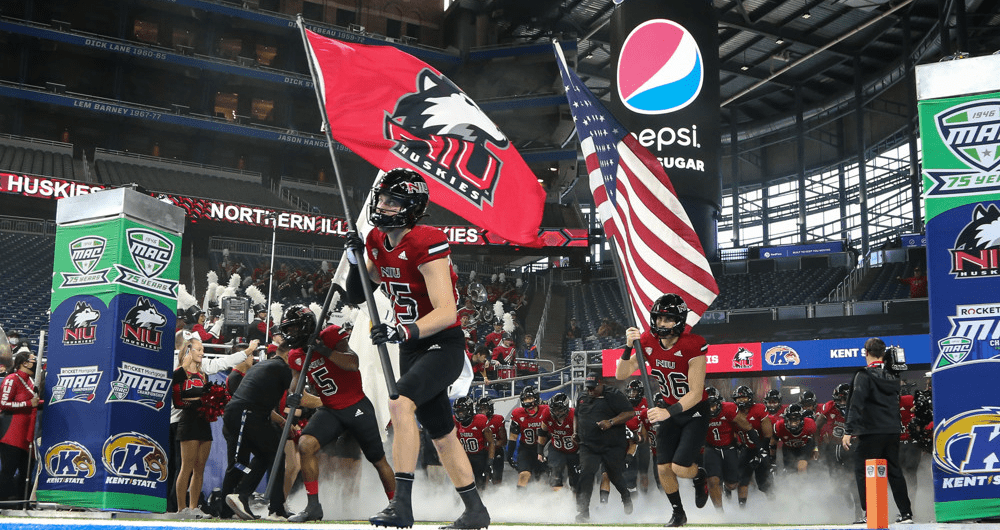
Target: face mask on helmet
794,418
743,397
668,316
529,399
405,188
635,392
559,406
485,406
297,325
840,397
463,410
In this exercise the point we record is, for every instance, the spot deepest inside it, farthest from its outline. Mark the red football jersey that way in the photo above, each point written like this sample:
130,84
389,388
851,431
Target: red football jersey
795,440
398,269
905,404
529,424
777,415
833,429
561,433
635,423
670,367
337,388
721,427
755,416
471,435
495,425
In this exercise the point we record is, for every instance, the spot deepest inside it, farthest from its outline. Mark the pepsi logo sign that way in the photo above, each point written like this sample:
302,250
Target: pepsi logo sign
661,82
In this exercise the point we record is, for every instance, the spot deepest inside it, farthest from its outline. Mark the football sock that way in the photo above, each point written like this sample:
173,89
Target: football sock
470,496
312,487
675,501
404,486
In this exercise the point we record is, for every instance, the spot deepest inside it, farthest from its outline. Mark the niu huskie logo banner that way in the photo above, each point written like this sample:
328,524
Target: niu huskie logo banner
394,110
80,328
976,252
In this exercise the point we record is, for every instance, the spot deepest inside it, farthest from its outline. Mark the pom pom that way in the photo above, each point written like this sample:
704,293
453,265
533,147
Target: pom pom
213,402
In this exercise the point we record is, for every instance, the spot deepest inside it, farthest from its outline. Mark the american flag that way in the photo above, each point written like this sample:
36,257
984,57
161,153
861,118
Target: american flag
655,242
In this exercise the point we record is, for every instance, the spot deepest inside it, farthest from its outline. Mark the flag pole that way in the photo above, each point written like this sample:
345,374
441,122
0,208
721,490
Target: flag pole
635,346
390,377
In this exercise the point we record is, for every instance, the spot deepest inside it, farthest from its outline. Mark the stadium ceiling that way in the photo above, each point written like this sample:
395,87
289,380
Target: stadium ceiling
769,49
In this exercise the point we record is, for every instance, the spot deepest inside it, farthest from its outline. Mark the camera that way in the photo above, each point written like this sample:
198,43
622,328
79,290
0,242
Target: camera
895,359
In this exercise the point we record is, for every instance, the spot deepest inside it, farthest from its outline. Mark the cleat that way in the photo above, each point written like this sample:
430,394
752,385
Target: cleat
700,488
313,512
862,520
470,520
678,519
395,515
583,517
627,503
904,518
241,506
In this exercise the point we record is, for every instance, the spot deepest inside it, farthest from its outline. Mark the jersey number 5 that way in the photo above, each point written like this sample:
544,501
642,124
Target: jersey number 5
406,307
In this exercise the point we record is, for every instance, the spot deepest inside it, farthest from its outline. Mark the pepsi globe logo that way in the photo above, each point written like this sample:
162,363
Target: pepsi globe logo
660,68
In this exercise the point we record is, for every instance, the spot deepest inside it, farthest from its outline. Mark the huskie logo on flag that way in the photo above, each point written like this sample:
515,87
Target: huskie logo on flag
140,384
441,131
85,253
152,253
76,383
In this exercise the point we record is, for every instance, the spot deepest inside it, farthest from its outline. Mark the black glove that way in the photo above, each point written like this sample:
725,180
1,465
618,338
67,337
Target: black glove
511,446
383,333
293,401
352,245
764,453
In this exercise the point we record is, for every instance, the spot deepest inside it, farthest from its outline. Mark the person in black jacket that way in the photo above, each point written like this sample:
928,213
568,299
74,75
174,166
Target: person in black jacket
873,421
601,415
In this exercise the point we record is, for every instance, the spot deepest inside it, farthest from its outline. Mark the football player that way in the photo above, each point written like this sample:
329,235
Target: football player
333,373
525,424
797,436
722,458
413,263
808,402
678,363
564,453
499,430
637,465
476,437
756,460
772,402
830,421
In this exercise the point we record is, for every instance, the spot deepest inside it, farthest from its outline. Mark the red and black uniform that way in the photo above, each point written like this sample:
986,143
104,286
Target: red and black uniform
639,464
721,456
681,437
909,451
527,428
497,427
345,407
564,452
830,434
15,400
476,447
752,464
796,446
493,340
428,365
193,424
504,354
467,311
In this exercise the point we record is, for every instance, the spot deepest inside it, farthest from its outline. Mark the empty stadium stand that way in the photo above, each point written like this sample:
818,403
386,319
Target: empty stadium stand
25,290
36,157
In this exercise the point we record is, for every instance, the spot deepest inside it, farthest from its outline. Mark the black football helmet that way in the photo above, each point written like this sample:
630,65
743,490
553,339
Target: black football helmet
772,401
794,418
743,397
530,398
559,405
672,306
840,396
714,400
485,407
463,410
406,187
635,392
297,325
808,399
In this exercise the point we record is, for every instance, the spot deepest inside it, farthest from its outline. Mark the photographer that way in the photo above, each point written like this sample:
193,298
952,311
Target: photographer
873,420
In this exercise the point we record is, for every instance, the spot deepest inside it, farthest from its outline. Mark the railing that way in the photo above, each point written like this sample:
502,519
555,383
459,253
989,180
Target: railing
29,142
27,225
169,163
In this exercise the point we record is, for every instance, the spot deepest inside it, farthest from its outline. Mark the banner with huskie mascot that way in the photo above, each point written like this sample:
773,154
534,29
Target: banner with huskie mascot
105,430
961,177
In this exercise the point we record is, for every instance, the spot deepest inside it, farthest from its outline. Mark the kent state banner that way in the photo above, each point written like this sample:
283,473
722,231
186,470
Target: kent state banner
110,355
961,176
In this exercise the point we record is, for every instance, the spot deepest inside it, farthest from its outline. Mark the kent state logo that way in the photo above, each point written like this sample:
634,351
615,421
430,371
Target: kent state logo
976,253
134,458
85,253
781,356
152,253
76,383
80,329
442,133
969,442
68,462
971,132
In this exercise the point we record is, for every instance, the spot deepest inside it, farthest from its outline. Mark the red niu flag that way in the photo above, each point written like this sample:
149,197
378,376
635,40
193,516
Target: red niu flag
657,246
394,110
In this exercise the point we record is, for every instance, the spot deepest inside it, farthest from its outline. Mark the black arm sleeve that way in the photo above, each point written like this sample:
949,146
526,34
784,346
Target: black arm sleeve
355,290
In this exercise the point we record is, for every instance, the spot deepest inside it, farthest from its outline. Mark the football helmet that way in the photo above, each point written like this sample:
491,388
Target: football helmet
743,397
794,418
530,398
808,399
559,405
463,410
485,407
297,325
772,401
406,187
840,396
714,400
635,391
672,306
